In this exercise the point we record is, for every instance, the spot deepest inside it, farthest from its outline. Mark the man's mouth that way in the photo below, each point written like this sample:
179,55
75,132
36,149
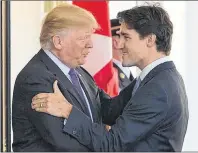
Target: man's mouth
124,53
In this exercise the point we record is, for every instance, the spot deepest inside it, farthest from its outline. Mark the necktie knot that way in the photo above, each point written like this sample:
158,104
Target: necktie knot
74,78
138,81
72,72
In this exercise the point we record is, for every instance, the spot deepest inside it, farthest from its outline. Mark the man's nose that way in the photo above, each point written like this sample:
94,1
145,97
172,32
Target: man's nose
89,44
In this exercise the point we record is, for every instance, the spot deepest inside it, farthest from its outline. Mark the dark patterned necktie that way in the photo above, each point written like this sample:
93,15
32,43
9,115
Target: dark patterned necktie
77,86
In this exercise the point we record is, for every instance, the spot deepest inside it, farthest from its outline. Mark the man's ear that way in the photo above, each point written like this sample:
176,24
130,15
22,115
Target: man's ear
151,40
115,42
57,42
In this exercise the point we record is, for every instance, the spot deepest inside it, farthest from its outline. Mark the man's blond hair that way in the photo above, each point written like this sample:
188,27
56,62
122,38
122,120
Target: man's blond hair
63,17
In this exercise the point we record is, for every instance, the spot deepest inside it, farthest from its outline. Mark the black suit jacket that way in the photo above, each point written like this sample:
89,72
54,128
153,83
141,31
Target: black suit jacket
124,81
34,131
154,119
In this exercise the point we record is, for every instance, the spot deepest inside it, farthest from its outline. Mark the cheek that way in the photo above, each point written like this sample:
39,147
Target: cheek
129,46
142,47
77,50
135,46
77,54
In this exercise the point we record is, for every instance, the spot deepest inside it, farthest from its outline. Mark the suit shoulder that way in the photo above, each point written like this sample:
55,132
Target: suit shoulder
160,86
167,78
34,71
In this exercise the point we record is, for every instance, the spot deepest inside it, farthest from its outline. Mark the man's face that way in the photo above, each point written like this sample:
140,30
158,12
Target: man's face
134,49
76,46
117,47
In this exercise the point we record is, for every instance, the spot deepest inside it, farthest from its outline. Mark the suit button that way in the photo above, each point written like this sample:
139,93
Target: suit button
74,132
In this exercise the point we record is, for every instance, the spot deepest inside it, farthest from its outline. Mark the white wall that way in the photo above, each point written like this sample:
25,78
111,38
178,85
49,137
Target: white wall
25,30
191,72
116,6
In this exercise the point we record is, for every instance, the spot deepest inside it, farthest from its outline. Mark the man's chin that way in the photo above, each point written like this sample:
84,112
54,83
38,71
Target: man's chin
82,62
126,64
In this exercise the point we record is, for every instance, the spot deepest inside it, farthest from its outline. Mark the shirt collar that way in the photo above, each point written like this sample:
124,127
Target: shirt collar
151,66
65,69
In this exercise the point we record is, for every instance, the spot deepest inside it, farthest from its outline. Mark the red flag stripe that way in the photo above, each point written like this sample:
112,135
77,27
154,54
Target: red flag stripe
106,77
100,9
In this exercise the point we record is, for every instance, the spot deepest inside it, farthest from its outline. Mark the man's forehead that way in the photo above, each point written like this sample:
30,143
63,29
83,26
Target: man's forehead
84,31
123,28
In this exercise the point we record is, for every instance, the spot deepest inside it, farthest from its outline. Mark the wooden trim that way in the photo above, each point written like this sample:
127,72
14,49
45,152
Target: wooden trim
1,105
5,78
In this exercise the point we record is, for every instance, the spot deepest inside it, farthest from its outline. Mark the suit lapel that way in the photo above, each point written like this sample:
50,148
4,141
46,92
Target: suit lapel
66,84
89,95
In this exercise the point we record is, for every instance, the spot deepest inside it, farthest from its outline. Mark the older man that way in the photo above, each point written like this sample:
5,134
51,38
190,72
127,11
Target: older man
65,41
156,116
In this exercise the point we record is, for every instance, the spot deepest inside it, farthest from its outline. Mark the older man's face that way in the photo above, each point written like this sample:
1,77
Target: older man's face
76,47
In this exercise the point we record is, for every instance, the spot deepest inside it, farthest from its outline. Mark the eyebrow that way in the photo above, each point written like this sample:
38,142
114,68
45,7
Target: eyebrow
124,34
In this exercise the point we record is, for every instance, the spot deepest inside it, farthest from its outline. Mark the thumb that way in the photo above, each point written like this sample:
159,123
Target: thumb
55,87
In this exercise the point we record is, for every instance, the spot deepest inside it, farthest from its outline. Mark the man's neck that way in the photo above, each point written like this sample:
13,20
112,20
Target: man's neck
152,65
150,60
56,53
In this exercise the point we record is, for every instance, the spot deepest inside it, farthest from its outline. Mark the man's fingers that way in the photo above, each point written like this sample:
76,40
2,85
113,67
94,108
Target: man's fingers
39,105
43,100
41,95
41,110
118,32
56,88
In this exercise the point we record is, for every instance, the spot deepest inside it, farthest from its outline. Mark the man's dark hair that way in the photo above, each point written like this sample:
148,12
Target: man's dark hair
147,20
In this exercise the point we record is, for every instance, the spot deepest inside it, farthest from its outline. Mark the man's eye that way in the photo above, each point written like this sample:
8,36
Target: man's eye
83,38
126,38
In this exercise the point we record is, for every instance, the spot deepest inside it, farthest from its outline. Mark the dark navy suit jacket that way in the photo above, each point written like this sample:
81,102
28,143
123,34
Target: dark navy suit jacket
154,119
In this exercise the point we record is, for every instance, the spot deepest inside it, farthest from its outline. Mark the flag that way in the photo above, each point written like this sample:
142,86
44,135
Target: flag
99,63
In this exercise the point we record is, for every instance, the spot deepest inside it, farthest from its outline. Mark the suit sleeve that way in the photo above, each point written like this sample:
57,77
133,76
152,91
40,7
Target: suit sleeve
140,118
49,127
112,108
